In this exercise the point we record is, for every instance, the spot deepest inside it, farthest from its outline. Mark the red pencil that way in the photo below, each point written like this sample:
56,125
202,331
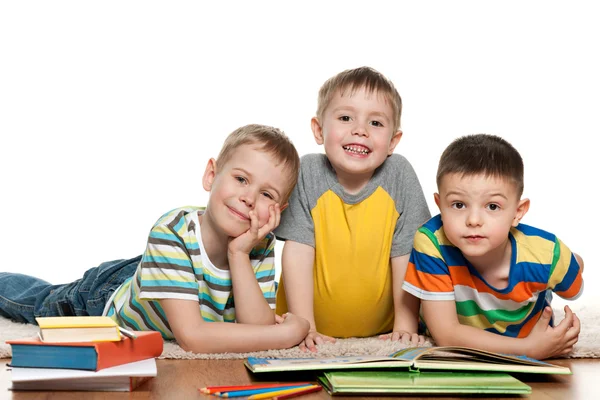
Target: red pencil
298,393
215,389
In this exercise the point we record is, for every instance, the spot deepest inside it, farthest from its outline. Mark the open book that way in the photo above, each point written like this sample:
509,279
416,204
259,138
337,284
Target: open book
449,358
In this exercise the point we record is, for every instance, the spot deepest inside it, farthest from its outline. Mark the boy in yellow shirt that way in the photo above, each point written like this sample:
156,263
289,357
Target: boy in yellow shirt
352,217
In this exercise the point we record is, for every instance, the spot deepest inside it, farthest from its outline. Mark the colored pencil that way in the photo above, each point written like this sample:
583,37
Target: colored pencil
298,393
240,393
221,389
270,395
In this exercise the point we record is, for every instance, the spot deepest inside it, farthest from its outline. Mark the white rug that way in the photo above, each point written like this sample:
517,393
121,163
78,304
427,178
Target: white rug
587,347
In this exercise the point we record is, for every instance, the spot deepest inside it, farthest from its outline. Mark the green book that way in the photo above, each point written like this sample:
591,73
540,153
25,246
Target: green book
414,359
403,382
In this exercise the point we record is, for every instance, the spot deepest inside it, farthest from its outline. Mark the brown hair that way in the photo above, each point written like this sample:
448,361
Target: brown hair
485,154
364,77
270,140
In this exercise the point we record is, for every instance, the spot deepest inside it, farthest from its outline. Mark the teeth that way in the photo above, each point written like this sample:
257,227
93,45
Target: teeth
356,149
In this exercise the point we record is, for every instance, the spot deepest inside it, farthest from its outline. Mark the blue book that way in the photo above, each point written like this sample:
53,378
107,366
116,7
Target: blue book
92,356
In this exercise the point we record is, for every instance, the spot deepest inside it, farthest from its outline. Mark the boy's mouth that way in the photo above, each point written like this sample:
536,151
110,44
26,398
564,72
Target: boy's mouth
357,149
238,214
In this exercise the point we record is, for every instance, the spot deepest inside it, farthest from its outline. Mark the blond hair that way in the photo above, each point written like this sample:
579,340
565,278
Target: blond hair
368,78
270,140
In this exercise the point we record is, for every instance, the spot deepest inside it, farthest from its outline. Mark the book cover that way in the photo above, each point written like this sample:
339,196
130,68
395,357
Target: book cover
92,356
126,377
387,382
78,329
450,358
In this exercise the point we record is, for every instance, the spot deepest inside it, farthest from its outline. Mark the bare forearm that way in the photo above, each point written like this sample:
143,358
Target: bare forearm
220,337
297,263
468,336
406,306
251,307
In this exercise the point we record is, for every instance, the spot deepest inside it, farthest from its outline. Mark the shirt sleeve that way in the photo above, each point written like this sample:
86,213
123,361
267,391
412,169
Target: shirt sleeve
412,208
565,274
166,268
296,220
262,259
427,276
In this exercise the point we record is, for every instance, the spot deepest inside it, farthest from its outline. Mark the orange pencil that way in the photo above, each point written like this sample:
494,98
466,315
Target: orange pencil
298,393
219,389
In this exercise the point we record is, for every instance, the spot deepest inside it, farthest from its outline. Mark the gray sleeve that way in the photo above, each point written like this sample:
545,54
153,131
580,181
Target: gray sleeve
410,203
296,220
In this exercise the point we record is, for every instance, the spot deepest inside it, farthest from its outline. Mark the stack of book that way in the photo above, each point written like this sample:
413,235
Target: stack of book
418,370
84,353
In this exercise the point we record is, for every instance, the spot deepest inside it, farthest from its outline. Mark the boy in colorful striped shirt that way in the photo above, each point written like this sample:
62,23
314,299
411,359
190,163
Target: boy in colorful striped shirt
485,279
202,269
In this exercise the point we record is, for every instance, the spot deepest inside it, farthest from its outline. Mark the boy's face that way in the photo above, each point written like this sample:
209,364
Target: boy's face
478,212
357,130
250,180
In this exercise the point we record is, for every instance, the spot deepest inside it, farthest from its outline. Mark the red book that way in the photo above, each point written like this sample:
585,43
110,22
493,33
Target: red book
91,356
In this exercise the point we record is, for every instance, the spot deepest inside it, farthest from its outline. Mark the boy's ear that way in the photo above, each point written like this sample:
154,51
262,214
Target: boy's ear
317,130
436,197
283,207
394,142
209,174
522,209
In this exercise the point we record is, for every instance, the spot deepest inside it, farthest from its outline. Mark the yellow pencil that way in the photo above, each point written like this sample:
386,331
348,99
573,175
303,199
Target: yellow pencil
279,393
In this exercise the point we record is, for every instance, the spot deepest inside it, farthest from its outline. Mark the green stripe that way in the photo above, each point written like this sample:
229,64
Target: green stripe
469,308
431,237
555,257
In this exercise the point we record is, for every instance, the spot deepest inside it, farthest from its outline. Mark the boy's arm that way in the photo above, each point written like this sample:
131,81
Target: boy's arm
406,306
251,307
544,341
194,334
297,265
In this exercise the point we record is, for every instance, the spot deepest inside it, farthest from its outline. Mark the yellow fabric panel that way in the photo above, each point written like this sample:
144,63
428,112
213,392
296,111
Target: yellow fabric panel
562,266
534,249
352,274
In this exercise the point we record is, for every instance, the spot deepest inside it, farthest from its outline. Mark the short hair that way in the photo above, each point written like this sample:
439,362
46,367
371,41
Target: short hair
354,79
485,154
270,140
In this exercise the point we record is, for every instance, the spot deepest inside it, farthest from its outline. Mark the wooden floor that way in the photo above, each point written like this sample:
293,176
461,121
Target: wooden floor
180,379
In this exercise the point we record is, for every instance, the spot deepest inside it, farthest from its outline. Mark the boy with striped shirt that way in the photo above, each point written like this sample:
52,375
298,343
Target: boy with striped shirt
203,267
486,280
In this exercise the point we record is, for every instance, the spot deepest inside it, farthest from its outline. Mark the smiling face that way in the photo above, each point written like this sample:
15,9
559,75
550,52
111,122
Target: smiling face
478,212
357,130
250,180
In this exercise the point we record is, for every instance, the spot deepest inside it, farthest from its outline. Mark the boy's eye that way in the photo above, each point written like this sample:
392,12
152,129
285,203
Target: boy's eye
377,123
344,118
493,207
458,205
240,179
268,195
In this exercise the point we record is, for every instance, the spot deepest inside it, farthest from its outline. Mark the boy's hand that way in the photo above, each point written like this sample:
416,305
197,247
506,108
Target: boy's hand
298,326
405,337
546,341
313,339
247,240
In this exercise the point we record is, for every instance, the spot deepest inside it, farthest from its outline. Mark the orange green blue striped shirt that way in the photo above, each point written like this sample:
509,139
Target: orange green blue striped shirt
175,266
540,264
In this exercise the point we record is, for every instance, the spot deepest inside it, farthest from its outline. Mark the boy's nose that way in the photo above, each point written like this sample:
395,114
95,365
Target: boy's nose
360,129
248,199
473,218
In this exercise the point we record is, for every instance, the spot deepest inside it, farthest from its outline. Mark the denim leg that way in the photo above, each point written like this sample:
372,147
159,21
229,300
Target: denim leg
24,297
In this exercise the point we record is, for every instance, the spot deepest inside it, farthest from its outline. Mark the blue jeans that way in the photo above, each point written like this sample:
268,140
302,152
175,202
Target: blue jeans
24,297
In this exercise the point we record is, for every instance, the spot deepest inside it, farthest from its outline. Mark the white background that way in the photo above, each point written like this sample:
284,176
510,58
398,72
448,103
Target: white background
109,110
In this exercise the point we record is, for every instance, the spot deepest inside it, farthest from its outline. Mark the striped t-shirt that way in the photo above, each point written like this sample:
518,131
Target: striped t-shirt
175,266
540,264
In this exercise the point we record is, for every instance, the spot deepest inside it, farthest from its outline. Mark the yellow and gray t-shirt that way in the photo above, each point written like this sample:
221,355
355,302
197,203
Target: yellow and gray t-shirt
354,236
